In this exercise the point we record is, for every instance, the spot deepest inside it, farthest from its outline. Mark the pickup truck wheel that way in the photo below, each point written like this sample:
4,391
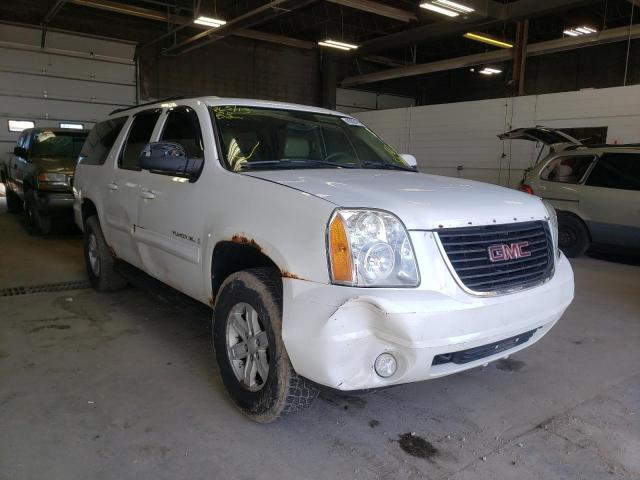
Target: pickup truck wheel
99,260
573,237
14,204
36,223
247,336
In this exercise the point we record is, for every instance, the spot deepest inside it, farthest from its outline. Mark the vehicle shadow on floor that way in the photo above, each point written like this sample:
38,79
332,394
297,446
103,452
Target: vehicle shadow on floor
625,256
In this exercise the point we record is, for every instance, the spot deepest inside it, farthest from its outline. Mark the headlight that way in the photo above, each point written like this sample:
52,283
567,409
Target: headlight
53,180
370,248
553,224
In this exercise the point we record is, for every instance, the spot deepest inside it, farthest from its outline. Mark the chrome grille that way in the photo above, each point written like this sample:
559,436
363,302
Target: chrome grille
467,249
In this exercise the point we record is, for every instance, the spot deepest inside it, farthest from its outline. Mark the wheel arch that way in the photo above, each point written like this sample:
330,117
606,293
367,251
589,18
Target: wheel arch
237,254
88,209
567,213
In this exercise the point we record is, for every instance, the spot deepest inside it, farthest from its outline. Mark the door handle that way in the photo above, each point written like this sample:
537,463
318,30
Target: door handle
147,194
112,186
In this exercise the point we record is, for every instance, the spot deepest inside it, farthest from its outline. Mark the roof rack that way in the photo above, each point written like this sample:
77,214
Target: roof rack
161,100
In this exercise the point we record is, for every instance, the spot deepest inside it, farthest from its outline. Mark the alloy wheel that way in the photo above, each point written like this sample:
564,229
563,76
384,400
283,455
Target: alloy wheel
247,347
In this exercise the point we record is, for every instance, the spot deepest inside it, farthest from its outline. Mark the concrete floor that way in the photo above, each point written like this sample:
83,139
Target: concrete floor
124,385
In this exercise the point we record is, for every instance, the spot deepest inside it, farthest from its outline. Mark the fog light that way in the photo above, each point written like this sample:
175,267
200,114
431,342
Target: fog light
385,365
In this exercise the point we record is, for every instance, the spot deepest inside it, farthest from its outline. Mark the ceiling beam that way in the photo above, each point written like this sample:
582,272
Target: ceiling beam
494,13
540,48
48,18
264,13
149,14
377,8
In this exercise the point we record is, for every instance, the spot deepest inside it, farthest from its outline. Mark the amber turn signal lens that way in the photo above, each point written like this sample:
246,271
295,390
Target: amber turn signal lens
341,265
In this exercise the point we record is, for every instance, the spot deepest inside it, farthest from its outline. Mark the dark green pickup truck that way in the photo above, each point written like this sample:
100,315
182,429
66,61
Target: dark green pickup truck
38,177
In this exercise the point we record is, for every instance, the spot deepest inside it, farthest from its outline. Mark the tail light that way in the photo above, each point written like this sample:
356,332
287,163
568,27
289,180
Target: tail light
526,189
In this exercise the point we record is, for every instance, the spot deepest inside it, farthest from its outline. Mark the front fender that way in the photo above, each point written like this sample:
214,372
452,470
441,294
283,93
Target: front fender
289,226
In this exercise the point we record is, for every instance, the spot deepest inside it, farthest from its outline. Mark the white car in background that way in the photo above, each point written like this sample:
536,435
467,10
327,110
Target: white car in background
595,189
328,261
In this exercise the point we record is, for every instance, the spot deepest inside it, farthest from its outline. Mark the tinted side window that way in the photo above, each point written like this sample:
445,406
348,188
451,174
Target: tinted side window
616,170
100,140
569,169
139,136
182,126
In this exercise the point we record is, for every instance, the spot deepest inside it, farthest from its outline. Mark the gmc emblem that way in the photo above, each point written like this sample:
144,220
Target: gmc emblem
500,253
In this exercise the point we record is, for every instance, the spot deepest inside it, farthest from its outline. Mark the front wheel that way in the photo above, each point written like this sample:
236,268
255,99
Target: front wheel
99,260
37,223
247,336
14,204
573,236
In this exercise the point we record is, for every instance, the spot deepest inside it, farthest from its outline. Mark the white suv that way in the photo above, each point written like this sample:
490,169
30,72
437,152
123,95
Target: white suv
327,260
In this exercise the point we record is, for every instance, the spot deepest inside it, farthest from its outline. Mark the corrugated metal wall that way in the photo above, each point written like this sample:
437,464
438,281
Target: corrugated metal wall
459,139
76,79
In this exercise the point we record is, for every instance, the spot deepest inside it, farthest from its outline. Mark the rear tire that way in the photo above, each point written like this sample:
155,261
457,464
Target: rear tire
99,259
37,224
14,204
247,336
573,236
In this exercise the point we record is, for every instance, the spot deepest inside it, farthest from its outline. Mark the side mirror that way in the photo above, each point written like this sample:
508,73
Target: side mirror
20,152
170,158
410,160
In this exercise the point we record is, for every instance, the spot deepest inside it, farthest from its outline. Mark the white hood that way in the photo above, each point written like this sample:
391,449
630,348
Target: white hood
422,202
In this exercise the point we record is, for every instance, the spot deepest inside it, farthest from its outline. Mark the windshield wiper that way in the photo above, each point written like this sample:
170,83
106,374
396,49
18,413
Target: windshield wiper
295,162
386,166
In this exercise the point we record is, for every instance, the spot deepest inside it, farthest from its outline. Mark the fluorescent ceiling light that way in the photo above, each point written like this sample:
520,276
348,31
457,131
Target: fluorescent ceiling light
76,126
338,45
489,71
454,6
437,9
209,22
481,37
577,31
20,125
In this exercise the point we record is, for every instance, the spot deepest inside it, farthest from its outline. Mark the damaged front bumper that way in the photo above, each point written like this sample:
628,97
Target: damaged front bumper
334,334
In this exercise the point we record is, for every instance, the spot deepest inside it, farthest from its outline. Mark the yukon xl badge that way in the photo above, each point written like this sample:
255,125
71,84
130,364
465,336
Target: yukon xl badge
513,251
184,236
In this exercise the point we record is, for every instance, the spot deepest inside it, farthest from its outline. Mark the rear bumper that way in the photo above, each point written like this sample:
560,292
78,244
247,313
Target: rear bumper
333,334
55,202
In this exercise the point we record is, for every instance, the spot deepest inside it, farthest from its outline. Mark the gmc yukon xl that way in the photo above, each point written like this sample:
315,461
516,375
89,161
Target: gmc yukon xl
328,261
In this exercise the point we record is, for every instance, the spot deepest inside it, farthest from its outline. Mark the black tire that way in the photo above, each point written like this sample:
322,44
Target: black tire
14,204
104,277
37,224
283,391
573,236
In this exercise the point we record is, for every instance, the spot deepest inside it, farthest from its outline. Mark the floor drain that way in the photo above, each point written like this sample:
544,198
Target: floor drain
46,288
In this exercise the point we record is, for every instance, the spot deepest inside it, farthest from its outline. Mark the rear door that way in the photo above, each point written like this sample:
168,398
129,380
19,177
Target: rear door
124,187
610,199
560,180
170,211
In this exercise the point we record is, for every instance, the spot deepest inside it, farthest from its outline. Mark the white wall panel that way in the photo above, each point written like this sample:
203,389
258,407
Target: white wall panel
459,139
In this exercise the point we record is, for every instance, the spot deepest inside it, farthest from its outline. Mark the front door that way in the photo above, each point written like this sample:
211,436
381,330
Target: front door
170,215
610,200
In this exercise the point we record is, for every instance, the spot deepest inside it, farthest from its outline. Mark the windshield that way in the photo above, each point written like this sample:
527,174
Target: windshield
265,138
49,143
